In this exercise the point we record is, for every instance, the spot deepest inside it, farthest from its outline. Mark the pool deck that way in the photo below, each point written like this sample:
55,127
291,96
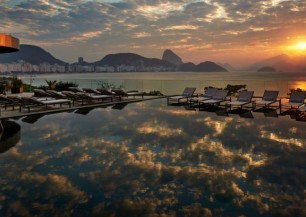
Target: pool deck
10,113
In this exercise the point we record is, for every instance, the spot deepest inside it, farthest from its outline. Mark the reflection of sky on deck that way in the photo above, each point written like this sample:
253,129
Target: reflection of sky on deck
155,160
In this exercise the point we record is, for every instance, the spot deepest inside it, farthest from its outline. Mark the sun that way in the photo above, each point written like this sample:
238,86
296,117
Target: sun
300,46
297,48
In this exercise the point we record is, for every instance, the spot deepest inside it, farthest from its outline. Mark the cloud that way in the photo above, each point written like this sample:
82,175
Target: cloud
118,26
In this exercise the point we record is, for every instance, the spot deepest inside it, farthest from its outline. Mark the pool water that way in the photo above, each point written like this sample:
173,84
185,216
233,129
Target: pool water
151,159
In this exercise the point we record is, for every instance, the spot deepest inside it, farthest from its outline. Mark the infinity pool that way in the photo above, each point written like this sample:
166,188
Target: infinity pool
150,159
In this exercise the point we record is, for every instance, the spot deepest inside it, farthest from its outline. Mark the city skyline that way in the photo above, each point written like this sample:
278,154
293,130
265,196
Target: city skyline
235,32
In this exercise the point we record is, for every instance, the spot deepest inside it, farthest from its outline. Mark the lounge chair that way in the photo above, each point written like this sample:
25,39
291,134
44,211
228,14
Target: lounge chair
244,97
15,100
105,91
74,97
84,97
56,95
4,100
120,92
208,94
187,93
218,97
76,89
30,102
296,100
91,91
303,108
94,97
41,93
269,97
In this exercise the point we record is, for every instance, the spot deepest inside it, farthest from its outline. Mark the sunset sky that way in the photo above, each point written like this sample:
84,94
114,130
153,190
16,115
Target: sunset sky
238,32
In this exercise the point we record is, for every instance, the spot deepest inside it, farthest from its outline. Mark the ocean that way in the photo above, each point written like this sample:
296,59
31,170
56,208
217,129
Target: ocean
174,82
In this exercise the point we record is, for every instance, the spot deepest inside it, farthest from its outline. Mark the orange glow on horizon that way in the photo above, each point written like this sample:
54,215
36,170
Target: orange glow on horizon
301,46
298,48
299,84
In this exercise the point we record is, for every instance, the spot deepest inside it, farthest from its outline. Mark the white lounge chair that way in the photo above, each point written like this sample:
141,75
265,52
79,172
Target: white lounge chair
303,108
244,97
296,100
94,97
120,92
56,95
28,102
208,94
269,97
187,93
219,96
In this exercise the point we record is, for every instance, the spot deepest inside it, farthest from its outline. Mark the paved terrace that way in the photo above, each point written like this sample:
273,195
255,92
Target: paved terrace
10,113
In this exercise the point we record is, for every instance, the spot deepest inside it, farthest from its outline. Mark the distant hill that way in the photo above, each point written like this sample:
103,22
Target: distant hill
132,60
31,54
281,63
209,66
171,57
227,66
267,69
187,67
172,62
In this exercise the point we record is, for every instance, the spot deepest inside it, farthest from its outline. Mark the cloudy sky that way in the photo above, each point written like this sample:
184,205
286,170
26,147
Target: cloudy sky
238,32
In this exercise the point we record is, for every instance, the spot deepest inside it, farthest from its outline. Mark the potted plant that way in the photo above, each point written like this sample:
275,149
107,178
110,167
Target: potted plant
16,85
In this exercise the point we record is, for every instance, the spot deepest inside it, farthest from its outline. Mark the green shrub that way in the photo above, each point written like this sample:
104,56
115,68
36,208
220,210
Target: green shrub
153,93
51,84
297,89
234,89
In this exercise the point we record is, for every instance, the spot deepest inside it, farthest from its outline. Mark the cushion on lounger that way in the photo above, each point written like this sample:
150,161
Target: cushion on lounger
242,99
268,98
296,101
218,98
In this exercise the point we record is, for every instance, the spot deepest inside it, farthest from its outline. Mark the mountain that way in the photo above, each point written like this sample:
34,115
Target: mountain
209,66
132,60
281,63
171,57
171,62
227,66
267,69
277,60
31,54
187,67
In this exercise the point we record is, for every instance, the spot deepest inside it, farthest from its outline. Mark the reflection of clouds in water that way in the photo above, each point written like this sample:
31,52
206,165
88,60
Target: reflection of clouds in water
285,141
44,194
143,169
161,129
151,161
218,126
